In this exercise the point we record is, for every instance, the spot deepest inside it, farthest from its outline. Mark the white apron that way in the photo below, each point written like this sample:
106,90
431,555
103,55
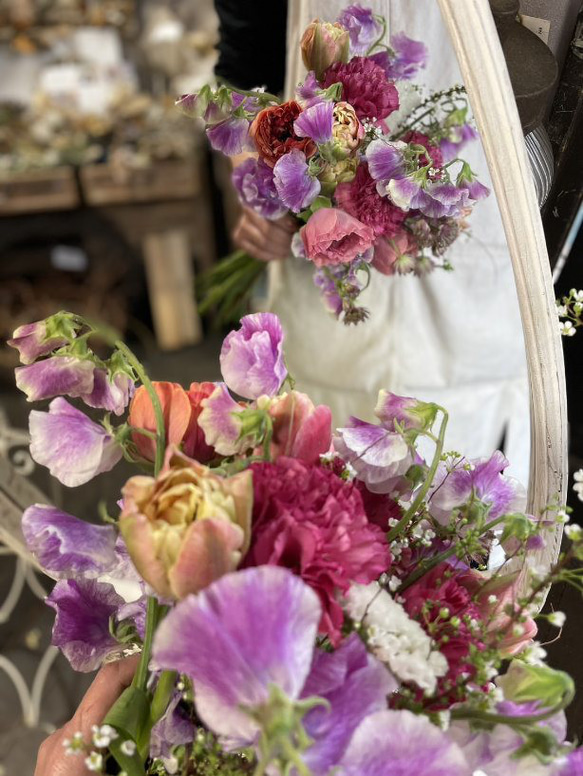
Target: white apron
453,337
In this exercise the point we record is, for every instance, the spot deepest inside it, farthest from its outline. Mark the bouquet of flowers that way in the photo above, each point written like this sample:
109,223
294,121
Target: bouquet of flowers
367,195
306,602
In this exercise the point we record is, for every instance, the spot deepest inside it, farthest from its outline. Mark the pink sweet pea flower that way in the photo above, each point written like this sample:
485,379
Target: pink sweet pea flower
300,430
333,237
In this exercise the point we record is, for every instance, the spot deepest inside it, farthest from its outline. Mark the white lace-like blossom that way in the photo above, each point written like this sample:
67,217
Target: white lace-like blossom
394,638
578,486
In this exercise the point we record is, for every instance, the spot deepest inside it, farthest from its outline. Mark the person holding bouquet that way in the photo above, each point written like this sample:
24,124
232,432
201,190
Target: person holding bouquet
450,337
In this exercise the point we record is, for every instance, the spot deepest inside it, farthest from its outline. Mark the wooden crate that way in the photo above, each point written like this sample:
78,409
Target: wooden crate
38,190
171,180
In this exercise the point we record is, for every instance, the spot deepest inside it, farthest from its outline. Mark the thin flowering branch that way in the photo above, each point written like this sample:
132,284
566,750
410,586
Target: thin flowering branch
412,510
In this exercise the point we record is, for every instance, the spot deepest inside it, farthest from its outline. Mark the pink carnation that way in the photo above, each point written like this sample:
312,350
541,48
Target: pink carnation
361,199
308,520
365,86
333,237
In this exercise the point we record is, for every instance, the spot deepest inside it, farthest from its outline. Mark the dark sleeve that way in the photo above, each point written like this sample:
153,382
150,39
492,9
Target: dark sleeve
252,43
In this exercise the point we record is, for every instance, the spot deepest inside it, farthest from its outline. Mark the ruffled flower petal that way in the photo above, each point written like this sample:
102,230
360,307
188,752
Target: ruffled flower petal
316,122
296,188
66,546
400,742
252,357
219,422
355,685
81,630
56,376
70,445
213,637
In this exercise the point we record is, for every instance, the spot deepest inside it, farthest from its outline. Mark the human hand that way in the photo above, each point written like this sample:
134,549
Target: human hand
106,688
264,239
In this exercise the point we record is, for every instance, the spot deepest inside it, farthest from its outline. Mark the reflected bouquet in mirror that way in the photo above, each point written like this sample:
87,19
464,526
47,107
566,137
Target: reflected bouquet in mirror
369,188
301,600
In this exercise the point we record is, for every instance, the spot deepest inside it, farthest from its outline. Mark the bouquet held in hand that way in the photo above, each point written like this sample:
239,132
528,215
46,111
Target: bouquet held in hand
368,193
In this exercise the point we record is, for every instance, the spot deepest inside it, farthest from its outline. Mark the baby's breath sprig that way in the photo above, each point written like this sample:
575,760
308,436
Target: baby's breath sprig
570,310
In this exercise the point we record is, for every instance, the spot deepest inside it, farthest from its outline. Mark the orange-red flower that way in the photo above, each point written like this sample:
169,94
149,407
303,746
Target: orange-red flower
181,410
273,132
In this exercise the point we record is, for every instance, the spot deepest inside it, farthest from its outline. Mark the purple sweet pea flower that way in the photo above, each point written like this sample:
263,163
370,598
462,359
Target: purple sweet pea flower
409,57
401,743
296,188
355,685
380,457
77,378
438,200
219,422
408,412
70,445
493,752
309,90
66,546
385,160
81,631
476,190
230,137
110,393
574,764
231,667
363,28
251,358
32,341
173,729
59,375
459,136
253,181
316,122
485,480
233,670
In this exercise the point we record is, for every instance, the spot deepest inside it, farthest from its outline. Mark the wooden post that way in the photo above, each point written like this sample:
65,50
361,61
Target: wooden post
171,289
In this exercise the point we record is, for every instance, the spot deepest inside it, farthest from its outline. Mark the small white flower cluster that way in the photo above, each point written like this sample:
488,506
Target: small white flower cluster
74,745
574,532
395,639
557,619
423,535
570,306
578,486
103,736
534,654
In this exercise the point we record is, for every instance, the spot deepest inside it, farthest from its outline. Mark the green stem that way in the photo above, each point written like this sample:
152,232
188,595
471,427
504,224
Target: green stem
141,675
147,383
265,95
410,513
507,719
162,695
379,40
426,567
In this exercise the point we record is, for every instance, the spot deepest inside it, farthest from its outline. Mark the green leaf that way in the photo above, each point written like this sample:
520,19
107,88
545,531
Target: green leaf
130,716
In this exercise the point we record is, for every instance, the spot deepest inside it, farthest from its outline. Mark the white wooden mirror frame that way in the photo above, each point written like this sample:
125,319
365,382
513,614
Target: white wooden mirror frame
483,67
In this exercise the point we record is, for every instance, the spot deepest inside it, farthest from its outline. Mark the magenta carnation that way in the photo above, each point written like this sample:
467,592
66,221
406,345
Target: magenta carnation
360,199
365,86
306,519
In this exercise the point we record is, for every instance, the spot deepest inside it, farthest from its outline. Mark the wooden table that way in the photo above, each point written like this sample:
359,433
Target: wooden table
164,210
